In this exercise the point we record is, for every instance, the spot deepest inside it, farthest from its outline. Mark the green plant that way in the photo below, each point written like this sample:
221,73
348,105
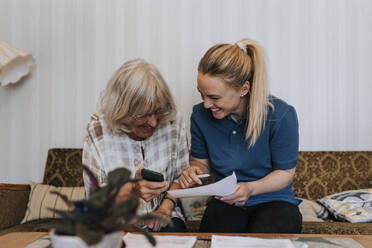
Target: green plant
100,214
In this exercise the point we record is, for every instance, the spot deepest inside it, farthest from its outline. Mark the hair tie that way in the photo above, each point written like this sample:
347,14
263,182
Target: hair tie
241,46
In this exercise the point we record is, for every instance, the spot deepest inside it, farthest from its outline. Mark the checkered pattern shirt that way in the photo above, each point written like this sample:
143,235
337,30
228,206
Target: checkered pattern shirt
166,151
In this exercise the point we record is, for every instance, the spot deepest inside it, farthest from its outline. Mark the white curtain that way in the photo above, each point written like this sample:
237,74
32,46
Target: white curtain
319,58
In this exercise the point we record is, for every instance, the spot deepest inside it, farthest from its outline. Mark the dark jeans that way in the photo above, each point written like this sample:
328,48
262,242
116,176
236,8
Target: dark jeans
270,217
176,225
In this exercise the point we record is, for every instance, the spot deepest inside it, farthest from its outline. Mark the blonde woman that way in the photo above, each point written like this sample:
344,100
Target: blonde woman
137,126
240,127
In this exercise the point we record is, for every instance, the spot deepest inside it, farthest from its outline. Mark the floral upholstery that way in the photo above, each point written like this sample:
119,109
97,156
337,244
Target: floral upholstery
63,167
319,174
10,216
337,227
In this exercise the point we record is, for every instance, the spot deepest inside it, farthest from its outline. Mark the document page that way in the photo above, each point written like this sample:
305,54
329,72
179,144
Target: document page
246,242
226,186
139,240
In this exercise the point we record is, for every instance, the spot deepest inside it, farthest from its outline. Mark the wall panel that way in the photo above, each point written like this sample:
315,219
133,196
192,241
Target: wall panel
318,52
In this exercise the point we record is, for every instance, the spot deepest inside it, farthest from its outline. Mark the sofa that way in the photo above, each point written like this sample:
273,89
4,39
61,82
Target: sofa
318,174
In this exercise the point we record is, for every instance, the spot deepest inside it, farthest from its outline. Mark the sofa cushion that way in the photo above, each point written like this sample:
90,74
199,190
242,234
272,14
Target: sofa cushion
309,210
64,167
13,204
194,207
41,200
353,206
43,225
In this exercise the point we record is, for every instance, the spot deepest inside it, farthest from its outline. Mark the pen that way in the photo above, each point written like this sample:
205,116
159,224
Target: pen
203,175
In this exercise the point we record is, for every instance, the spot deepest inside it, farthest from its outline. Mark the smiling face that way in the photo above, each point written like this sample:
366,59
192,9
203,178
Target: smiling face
143,130
143,126
221,98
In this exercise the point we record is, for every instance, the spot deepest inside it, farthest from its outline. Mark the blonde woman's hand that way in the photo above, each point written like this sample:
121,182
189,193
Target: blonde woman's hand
189,177
243,191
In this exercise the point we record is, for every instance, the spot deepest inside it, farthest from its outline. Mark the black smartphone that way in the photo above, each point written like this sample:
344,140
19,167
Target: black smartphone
151,175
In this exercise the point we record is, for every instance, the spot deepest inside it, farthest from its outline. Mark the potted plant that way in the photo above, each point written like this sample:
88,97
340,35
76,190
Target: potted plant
99,220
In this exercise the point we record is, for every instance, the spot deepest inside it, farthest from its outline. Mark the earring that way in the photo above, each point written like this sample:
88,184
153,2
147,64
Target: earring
243,95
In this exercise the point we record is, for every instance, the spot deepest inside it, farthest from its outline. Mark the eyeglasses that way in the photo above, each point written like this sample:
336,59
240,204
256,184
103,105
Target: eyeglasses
159,114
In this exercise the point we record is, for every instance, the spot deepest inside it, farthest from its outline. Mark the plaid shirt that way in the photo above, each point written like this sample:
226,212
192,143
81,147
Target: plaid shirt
166,151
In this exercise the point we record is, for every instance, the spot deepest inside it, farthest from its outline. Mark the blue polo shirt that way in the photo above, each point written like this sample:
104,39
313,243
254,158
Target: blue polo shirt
222,142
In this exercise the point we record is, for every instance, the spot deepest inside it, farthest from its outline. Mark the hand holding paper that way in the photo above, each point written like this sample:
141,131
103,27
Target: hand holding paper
226,186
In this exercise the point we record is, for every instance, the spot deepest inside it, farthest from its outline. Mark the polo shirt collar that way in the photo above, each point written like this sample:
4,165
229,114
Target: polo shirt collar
235,119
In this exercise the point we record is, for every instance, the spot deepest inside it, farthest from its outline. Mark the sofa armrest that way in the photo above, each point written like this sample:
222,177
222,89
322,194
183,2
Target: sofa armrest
13,204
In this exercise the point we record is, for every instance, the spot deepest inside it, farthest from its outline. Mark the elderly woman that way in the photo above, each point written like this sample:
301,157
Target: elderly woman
137,126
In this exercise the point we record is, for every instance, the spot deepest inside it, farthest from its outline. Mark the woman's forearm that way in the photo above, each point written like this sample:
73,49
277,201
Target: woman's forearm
274,181
168,204
202,164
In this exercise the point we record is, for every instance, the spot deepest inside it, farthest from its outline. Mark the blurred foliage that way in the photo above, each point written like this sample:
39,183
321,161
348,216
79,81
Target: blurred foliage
101,213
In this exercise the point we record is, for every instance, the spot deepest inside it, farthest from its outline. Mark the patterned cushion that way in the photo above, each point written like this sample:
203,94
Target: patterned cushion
309,210
64,167
41,200
194,207
319,174
354,205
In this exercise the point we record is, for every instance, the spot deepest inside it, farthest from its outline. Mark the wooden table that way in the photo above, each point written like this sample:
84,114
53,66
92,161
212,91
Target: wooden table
21,239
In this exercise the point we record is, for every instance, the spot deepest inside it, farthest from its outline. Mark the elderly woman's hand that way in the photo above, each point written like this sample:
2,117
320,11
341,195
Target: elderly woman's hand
148,190
125,192
165,209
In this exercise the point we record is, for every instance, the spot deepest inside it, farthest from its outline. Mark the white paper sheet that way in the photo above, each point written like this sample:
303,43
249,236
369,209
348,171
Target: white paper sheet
139,240
246,242
226,186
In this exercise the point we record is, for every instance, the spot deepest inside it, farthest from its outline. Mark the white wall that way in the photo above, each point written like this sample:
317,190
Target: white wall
319,58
